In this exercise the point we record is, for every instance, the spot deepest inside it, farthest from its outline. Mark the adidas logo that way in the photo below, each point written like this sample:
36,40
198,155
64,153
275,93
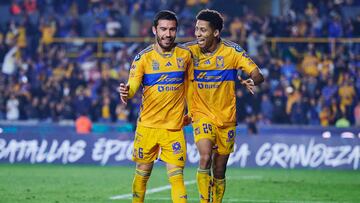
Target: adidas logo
207,62
168,64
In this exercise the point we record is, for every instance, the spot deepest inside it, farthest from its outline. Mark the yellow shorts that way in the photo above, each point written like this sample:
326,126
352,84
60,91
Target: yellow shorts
149,142
224,138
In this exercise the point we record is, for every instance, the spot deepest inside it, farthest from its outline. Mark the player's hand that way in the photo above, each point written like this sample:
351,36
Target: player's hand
124,92
186,120
248,83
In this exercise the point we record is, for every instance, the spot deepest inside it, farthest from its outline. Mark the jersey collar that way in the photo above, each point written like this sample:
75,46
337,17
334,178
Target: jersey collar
212,53
164,54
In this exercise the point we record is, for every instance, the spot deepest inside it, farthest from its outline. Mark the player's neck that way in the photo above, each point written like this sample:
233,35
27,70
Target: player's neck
163,51
213,48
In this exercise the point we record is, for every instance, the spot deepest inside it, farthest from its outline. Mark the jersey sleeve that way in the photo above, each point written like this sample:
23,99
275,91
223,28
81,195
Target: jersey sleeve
189,90
136,75
243,61
190,70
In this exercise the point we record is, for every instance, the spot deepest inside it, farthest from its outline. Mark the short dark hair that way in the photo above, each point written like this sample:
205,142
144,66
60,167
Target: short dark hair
213,17
164,15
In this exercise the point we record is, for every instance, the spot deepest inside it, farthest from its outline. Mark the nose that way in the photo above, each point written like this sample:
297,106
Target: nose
197,33
167,33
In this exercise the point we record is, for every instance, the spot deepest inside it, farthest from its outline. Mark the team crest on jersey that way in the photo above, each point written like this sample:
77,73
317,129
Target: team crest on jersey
231,135
196,61
219,62
176,147
155,65
180,63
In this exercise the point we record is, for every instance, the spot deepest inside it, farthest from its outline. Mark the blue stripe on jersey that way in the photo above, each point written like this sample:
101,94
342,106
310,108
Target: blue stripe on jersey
215,75
164,78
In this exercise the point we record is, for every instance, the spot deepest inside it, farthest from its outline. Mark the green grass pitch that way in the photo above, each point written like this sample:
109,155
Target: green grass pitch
64,184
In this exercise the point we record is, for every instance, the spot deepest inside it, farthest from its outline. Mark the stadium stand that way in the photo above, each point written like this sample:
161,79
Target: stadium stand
48,76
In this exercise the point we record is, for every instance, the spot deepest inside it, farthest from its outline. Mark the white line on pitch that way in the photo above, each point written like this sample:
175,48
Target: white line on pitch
151,191
168,187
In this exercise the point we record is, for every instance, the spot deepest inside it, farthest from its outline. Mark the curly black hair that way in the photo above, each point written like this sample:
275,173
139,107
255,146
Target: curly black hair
213,17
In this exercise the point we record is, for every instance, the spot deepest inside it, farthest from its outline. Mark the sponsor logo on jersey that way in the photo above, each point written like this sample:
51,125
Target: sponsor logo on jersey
203,75
165,78
215,75
168,64
207,86
162,88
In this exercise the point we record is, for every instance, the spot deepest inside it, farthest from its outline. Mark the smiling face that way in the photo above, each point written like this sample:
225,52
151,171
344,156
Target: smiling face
165,33
207,37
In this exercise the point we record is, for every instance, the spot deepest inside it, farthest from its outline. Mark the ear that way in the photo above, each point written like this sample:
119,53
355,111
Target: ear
216,33
153,30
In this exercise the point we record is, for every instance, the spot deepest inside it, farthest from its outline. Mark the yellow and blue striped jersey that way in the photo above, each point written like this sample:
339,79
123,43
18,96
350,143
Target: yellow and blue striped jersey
162,76
214,79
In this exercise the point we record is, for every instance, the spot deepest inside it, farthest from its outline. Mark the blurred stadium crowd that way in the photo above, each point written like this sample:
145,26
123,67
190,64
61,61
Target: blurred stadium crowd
306,83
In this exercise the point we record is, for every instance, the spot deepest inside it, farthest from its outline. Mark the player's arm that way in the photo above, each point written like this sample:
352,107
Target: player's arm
257,76
248,83
189,90
244,62
135,78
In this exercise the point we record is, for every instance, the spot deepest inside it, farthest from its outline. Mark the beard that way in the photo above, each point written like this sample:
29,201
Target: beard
164,46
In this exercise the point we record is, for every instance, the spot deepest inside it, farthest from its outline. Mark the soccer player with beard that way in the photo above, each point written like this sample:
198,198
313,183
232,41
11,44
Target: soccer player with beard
162,70
213,102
